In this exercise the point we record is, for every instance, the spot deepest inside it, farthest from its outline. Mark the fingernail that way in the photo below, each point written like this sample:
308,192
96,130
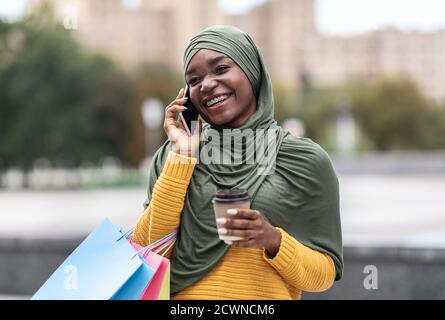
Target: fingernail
232,211
185,108
221,220
222,231
228,242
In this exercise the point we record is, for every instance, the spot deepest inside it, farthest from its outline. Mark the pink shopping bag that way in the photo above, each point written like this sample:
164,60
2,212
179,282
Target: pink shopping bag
159,286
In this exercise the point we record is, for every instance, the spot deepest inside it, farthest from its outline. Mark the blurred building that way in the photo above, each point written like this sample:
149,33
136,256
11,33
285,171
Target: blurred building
285,30
137,30
331,59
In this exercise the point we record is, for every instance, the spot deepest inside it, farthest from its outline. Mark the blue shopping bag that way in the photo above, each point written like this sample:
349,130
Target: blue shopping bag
104,266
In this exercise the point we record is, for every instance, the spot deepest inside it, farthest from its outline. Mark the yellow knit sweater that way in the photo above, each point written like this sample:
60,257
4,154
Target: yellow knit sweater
243,273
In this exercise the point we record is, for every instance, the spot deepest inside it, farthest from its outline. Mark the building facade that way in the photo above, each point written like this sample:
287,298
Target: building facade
135,31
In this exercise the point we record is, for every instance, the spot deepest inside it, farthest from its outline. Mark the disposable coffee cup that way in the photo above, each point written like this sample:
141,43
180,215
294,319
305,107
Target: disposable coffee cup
225,199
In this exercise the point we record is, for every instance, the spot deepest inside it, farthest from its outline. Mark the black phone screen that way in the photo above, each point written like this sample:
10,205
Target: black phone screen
191,114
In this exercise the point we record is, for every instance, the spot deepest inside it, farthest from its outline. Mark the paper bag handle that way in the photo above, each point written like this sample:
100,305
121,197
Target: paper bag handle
165,241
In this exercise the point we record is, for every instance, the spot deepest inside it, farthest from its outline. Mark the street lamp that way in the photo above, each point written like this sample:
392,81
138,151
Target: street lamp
346,132
295,127
152,114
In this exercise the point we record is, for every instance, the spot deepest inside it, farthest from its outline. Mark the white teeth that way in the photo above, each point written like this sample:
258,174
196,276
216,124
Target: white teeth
216,100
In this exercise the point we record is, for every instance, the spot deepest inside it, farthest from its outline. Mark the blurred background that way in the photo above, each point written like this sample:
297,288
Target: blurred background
83,85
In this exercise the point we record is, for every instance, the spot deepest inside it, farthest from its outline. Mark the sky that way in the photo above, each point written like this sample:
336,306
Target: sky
336,17
350,17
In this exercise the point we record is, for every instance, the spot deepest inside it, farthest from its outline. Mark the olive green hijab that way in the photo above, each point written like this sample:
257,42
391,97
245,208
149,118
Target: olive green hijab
292,182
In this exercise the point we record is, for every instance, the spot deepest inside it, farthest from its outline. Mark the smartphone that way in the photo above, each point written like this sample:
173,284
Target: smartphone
189,115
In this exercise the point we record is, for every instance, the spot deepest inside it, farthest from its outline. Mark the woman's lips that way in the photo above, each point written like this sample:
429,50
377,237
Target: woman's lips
219,104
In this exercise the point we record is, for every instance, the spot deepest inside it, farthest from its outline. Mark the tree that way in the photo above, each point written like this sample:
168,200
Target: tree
391,111
391,114
58,101
319,111
150,81
286,102
433,129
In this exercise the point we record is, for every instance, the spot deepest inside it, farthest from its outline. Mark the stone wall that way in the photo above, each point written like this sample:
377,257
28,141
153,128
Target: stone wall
402,273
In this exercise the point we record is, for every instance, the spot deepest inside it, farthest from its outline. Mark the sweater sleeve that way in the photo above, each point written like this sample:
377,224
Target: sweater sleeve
163,213
302,267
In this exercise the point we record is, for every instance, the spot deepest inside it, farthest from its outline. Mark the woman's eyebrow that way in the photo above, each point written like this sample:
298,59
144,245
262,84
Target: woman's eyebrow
215,60
211,62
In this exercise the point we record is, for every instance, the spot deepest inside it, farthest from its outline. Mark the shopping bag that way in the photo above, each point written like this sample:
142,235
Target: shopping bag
104,266
159,286
164,294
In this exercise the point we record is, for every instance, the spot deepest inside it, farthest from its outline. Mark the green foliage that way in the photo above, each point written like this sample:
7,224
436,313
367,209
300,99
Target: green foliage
286,102
319,111
57,100
150,81
391,114
61,102
432,134
391,111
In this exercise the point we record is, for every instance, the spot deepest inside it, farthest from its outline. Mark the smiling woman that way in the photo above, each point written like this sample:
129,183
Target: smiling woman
290,235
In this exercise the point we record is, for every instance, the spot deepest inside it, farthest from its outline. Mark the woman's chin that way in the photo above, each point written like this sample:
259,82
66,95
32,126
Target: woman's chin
219,121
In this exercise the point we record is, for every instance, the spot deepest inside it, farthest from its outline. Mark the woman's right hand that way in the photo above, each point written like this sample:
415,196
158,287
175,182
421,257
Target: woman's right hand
181,142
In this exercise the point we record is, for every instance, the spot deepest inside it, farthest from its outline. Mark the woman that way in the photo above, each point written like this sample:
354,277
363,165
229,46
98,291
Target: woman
292,231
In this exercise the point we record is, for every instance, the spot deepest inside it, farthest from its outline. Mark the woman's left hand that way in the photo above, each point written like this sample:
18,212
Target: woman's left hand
250,225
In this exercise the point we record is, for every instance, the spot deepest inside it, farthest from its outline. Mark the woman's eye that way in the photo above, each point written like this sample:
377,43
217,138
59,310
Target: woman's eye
221,69
193,81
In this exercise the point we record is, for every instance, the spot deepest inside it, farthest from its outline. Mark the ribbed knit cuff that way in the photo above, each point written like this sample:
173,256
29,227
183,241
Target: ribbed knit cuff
178,166
287,253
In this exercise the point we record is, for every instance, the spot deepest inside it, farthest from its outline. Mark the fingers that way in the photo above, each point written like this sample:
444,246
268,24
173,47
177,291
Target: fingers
245,234
244,213
170,116
243,223
173,109
236,223
180,93
180,102
176,105
175,129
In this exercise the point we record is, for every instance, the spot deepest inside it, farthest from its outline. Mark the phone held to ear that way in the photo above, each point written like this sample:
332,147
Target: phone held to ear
189,115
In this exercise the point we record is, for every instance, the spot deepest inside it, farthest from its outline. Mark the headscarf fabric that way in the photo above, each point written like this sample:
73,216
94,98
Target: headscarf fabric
291,181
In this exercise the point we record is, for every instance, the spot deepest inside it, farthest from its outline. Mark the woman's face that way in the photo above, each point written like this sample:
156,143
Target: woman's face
219,89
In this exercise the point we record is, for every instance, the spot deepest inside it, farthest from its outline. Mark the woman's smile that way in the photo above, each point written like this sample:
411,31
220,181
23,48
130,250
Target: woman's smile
217,104
208,102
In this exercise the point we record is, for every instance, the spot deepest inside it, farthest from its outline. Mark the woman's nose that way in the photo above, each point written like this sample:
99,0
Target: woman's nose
208,84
